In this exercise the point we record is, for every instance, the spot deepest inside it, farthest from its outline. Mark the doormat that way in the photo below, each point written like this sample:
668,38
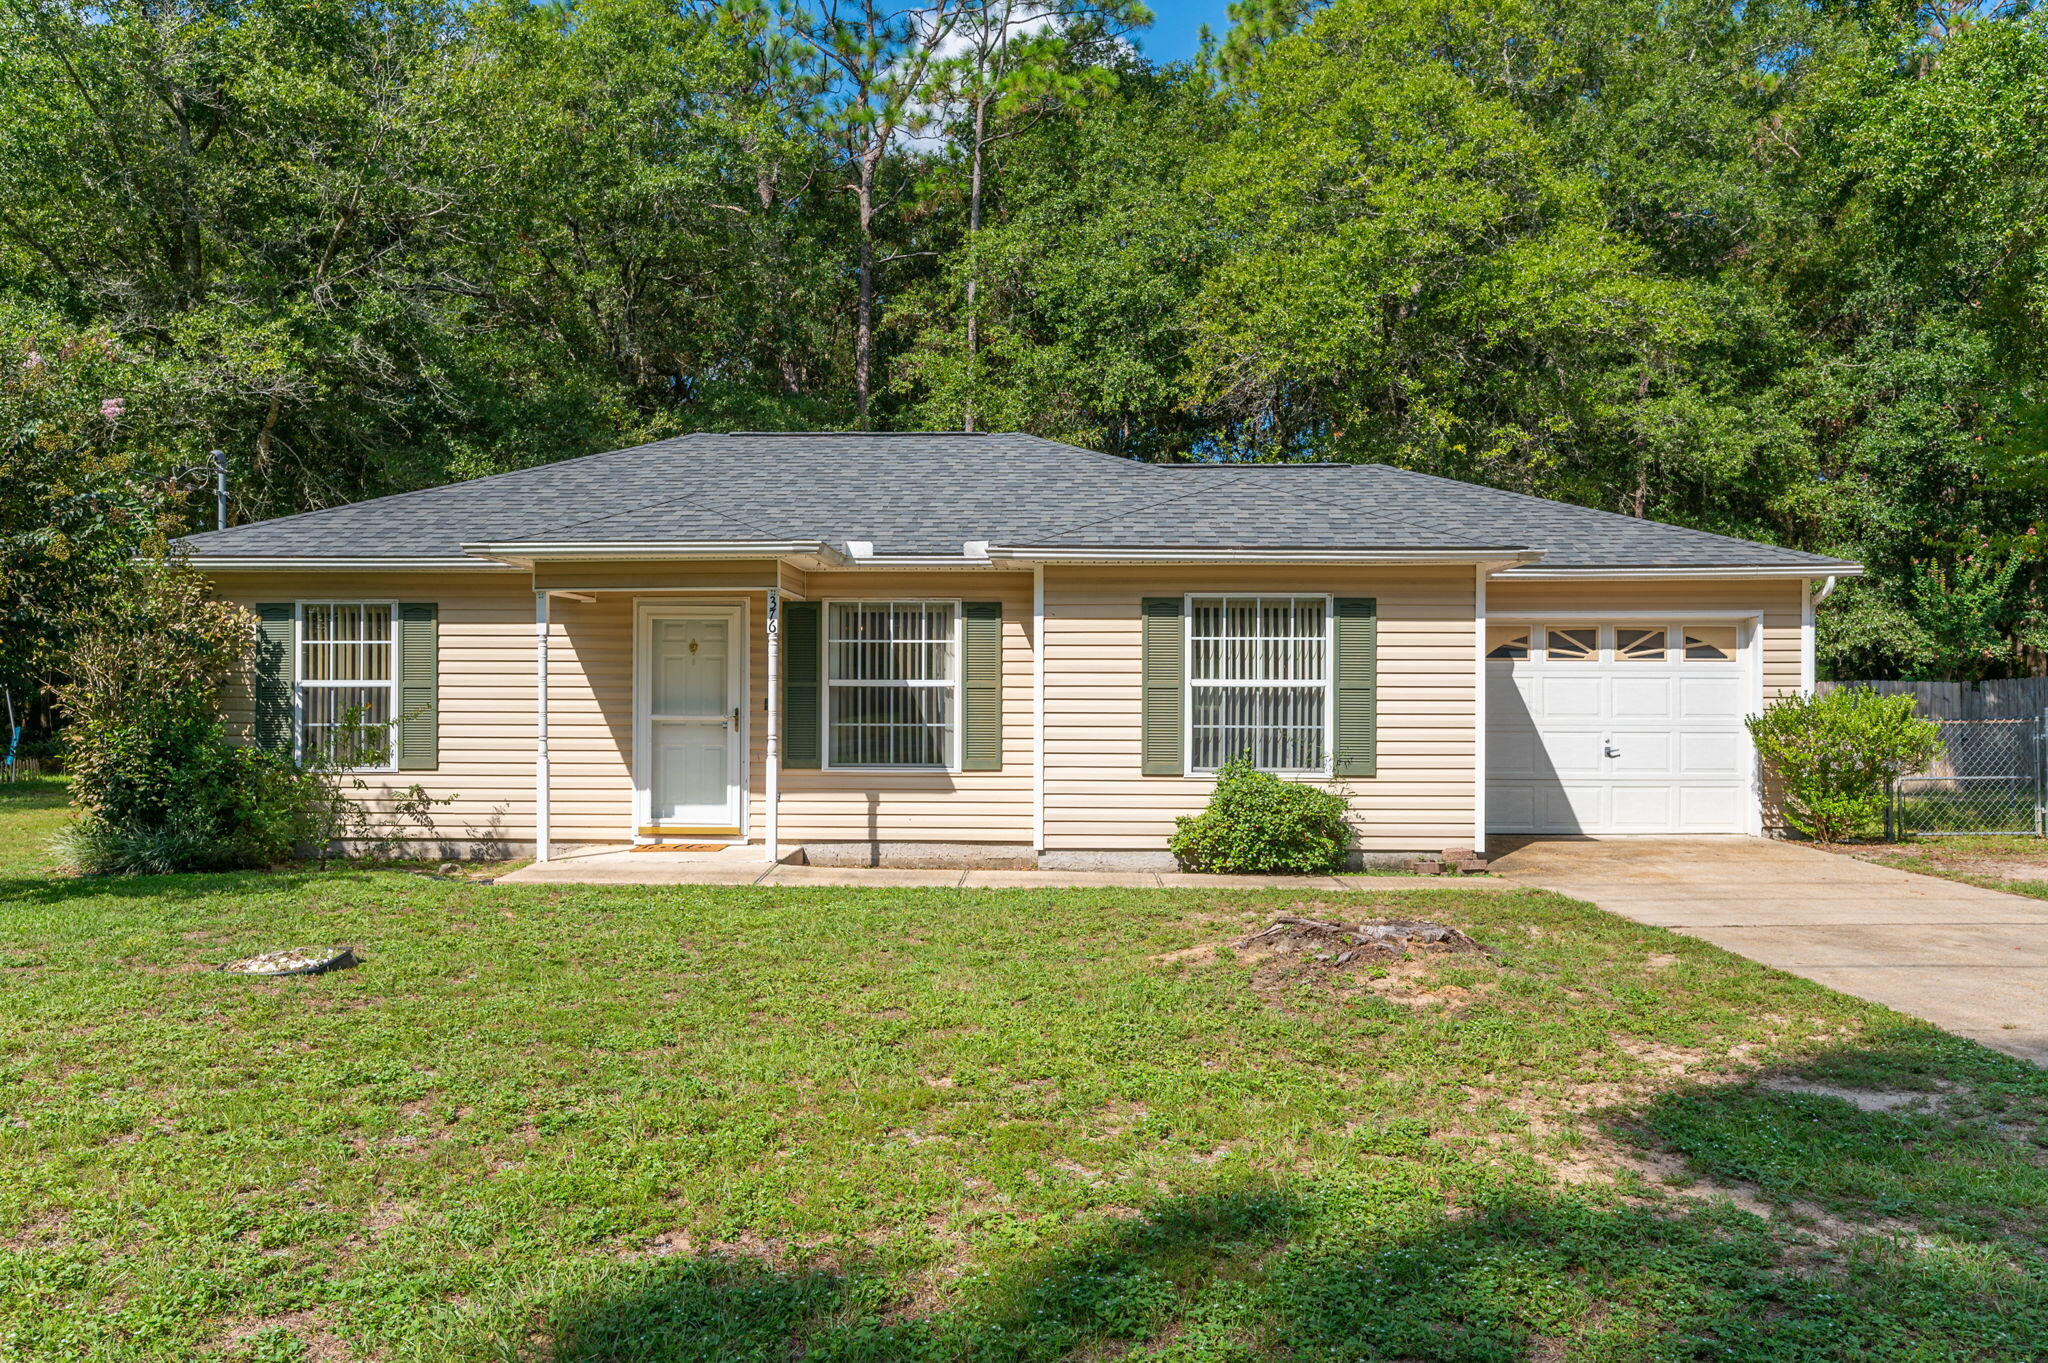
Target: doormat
678,847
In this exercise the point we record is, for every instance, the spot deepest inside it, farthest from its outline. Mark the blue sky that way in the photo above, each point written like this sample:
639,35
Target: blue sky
1177,24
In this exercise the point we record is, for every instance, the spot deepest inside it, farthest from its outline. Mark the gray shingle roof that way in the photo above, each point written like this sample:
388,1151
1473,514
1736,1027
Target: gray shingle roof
931,494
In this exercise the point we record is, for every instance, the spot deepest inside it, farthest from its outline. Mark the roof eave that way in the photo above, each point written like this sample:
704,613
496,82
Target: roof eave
524,554
1623,572
270,563
1487,556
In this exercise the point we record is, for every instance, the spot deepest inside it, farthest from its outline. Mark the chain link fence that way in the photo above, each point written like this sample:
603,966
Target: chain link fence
1991,777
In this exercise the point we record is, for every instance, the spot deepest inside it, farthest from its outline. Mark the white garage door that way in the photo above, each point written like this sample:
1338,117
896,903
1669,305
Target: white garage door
1632,728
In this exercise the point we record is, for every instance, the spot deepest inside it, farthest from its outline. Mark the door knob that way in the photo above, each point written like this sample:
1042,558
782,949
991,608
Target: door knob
735,719
1612,751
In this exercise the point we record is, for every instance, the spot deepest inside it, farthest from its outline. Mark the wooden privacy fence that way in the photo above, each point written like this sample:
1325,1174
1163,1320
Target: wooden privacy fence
2013,698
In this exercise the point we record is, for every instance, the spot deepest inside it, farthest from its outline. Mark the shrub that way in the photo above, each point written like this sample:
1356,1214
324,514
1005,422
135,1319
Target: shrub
158,783
1835,756
1258,824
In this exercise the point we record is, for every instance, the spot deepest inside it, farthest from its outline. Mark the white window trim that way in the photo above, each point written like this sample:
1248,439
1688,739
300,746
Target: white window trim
299,682
1187,678
953,683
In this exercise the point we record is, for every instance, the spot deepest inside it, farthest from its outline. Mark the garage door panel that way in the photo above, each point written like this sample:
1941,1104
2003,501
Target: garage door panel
1643,809
1569,697
1574,808
1715,698
1515,754
1616,746
1709,809
1710,754
1645,752
1569,752
1637,698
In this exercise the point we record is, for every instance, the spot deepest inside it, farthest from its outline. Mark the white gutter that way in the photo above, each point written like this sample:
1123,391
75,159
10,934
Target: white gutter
1623,574
1503,555
1827,588
219,563
524,552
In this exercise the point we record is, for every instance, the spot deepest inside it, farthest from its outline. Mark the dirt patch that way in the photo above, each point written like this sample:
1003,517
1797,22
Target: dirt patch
778,1253
1296,949
1866,1100
45,1232
318,1343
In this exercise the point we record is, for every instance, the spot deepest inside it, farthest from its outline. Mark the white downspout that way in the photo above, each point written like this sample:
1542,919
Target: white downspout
1038,709
540,727
1479,711
1809,666
771,753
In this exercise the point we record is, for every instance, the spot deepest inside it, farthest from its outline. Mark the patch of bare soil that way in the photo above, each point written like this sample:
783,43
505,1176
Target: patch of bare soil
1296,949
1955,861
1866,1100
45,1232
318,1344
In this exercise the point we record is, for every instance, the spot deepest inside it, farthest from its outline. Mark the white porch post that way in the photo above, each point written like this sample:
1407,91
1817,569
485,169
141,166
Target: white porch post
1038,709
1479,711
540,726
772,749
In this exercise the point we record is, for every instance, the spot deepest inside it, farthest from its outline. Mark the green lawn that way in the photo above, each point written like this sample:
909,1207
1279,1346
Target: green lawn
611,1124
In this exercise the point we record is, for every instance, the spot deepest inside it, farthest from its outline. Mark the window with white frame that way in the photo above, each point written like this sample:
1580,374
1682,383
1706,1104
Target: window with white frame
892,683
1259,681
347,683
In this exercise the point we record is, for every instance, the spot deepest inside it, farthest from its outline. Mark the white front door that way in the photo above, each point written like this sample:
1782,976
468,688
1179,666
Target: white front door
1617,728
692,730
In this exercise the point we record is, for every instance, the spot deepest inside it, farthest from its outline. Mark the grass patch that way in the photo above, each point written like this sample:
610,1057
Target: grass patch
560,1123
31,812
2017,865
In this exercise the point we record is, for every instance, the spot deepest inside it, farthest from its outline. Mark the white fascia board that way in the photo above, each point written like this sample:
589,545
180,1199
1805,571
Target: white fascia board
219,563
530,552
1627,574
1503,556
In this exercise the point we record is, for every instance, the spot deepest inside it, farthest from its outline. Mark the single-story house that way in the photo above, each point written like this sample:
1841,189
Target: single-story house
942,647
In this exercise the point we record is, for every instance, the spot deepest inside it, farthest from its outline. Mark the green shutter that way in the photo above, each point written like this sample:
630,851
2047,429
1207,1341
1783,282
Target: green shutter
419,686
1357,686
801,721
271,684
981,687
1164,647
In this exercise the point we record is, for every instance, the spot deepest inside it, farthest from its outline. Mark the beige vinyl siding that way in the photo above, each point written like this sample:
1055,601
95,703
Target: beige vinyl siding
1097,799
1781,601
486,689
927,806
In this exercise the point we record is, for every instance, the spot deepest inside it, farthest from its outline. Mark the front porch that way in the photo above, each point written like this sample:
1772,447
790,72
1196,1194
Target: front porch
661,718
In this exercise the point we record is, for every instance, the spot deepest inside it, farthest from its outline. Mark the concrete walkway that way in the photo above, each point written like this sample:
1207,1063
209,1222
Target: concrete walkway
743,866
1972,961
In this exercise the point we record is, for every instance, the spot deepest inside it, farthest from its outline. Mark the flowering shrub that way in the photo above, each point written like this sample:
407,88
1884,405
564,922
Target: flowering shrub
158,784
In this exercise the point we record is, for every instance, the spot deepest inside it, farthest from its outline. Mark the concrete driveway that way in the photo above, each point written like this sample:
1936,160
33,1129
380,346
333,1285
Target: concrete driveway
1969,960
